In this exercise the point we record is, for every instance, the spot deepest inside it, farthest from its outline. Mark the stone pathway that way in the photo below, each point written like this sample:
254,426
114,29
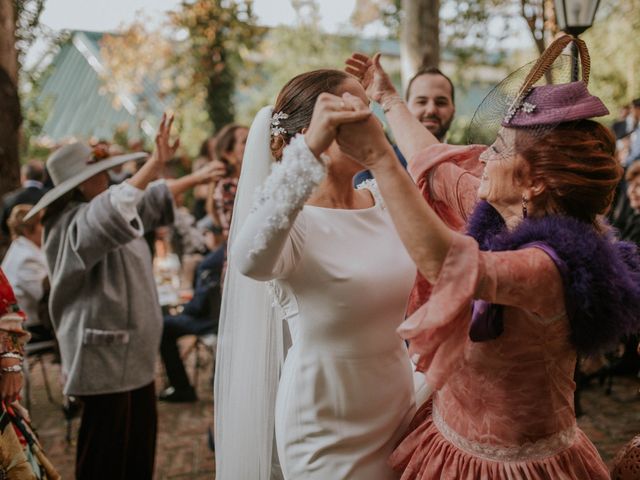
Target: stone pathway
609,421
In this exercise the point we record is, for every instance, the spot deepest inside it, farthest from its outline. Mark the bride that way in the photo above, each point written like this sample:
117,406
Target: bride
313,251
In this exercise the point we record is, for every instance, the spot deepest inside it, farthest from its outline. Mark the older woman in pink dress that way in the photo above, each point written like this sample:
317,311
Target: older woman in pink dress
536,279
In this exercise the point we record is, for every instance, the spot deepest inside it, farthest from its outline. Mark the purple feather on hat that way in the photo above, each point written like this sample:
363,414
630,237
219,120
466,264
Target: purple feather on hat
549,105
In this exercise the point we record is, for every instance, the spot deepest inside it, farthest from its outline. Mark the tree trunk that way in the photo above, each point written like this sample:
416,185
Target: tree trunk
10,115
419,36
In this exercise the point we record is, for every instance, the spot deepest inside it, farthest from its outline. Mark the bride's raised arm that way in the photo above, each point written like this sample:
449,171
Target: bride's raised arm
268,245
427,244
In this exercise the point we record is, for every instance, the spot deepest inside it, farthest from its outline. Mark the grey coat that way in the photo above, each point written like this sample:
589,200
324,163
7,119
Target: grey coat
103,300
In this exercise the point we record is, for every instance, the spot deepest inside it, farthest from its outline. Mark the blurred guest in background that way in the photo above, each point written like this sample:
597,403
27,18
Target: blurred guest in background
230,144
26,268
32,177
634,149
207,154
624,124
198,317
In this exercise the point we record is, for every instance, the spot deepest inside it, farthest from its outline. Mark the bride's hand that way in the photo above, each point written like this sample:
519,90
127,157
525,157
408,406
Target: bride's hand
371,75
329,112
364,141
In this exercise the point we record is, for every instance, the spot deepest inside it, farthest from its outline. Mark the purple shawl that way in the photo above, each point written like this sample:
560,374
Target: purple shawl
601,276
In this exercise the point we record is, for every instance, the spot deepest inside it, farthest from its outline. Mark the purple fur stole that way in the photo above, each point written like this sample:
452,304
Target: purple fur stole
601,276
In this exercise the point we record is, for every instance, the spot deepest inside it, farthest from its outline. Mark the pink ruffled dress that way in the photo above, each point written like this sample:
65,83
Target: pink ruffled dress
503,409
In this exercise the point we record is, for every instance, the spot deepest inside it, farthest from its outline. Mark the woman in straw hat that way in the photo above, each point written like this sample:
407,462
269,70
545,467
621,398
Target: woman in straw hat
536,279
103,299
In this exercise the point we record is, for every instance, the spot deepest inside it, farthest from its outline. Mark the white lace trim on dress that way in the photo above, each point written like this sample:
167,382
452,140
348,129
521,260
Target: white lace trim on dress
289,185
538,450
371,185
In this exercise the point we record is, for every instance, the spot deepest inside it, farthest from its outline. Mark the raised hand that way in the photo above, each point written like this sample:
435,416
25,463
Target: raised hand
330,112
165,150
365,140
371,75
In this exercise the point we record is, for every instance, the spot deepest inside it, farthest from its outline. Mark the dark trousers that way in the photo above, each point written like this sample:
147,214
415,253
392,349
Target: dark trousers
176,326
117,438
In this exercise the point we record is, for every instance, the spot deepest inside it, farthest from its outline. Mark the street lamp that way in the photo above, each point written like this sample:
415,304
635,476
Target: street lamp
574,17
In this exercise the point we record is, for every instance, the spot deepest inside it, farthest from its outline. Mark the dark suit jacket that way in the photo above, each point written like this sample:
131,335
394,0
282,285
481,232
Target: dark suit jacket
206,293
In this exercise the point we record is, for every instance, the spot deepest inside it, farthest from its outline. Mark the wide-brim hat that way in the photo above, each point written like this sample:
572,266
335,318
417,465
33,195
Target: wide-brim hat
71,165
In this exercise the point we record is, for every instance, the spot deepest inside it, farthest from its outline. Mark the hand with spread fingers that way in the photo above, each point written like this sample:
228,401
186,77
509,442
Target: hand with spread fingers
372,76
364,140
165,149
329,113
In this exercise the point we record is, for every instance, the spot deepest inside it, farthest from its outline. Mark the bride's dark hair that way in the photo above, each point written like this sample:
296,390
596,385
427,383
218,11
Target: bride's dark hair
297,99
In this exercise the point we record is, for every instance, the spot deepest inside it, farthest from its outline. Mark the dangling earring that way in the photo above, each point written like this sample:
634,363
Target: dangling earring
525,200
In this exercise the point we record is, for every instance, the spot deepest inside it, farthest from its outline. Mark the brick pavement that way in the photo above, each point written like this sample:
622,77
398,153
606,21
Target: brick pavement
609,421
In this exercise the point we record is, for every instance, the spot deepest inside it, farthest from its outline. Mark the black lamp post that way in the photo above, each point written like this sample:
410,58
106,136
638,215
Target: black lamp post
574,17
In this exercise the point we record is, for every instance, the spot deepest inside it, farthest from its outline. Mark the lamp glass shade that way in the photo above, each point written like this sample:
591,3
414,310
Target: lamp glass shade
575,16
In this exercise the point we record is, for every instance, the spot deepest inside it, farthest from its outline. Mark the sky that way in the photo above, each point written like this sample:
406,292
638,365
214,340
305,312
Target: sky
101,15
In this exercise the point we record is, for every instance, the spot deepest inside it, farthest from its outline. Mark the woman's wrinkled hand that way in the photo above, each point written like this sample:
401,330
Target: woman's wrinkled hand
365,140
10,382
371,75
329,113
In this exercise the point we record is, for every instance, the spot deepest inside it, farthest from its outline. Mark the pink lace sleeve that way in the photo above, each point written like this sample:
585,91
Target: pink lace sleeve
447,177
525,278
455,187
438,330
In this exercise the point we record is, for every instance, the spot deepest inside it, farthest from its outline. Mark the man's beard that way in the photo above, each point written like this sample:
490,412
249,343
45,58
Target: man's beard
441,131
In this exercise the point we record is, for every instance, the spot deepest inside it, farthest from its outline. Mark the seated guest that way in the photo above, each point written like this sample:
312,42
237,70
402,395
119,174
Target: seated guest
198,317
25,267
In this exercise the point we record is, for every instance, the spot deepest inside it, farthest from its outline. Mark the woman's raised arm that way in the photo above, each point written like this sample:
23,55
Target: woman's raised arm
410,135
425,236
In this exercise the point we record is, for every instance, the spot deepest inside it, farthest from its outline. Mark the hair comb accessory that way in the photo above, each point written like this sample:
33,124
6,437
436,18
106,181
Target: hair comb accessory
276,128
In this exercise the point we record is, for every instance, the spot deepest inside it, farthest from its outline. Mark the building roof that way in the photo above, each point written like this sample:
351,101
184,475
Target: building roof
80,105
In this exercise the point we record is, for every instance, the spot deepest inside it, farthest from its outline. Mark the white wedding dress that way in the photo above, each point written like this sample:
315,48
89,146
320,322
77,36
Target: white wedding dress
342,279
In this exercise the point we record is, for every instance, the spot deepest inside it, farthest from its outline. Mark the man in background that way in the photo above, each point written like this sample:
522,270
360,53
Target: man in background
430,97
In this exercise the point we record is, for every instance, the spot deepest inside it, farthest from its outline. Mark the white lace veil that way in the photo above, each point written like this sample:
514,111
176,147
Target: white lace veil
250,342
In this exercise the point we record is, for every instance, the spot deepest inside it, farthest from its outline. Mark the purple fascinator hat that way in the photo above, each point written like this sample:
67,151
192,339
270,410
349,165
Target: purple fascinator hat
538,96
554,104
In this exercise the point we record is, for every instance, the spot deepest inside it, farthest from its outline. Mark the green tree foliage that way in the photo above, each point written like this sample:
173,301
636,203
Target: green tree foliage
615,52
221,36
464,32
28,26
139,56
289,51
